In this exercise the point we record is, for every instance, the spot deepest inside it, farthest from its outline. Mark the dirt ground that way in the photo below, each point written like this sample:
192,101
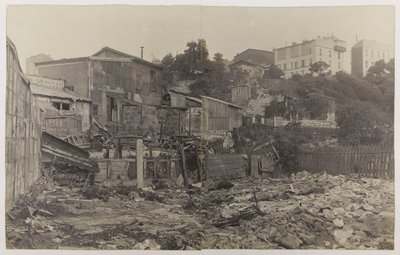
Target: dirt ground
305,211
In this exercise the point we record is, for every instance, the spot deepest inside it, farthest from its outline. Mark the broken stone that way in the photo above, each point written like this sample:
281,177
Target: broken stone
339,211
290,241
197,185
342,235
328,214
368,207
338,222
147,245
179,181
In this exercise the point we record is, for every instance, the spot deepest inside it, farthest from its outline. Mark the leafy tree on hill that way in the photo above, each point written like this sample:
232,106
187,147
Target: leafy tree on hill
320,68
167,61
274,73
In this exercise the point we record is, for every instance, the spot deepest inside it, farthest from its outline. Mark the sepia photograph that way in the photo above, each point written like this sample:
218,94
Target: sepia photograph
199,127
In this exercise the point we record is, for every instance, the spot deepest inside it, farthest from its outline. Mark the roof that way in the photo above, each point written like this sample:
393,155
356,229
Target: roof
255,56
245,62
373,44
63,60
223,102
57,93
105,54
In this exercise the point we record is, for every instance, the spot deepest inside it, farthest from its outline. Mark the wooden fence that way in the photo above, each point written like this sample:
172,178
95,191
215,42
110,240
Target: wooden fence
225,166
368,161
154,169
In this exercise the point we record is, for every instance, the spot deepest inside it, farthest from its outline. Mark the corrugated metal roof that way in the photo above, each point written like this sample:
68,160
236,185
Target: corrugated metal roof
58,93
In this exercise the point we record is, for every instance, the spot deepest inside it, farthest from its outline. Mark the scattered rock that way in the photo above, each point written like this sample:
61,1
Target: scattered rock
342,235
147,245
290,241
338,222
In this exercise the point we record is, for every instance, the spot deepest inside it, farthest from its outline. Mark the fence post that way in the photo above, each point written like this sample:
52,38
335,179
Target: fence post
139,163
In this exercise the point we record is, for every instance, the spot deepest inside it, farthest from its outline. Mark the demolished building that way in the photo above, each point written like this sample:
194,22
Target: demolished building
65,112
124,89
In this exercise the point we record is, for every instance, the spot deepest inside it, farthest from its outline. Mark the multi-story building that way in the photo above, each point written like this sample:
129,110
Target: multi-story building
298,57
365,53
124,89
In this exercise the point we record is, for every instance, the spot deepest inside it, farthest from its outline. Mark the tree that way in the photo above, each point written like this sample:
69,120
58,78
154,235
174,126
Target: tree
357,125
274,72
320,68
315,107
168,61
275,108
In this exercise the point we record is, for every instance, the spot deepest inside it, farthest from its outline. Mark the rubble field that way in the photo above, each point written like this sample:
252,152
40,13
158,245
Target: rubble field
304,211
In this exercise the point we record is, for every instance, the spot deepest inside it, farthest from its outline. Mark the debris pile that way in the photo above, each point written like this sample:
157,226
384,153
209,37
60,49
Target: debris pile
304,211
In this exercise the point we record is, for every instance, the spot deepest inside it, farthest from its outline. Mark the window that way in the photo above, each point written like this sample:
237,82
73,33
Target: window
295,65
61,106
279,66
302,72
320,52
366,63
338,55
303,63
111,110
291,65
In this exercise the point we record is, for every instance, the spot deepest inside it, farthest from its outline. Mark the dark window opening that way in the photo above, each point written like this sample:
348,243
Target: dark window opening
111,109
61,106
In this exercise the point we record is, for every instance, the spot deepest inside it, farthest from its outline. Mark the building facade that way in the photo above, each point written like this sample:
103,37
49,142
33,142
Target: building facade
65,112
250,65
298,57
31,63
115,82
365,53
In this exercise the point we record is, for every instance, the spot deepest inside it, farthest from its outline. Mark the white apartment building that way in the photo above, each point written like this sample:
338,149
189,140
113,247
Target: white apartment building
298,57
365,53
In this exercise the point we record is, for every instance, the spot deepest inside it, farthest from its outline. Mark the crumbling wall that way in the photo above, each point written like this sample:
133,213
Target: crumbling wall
23,131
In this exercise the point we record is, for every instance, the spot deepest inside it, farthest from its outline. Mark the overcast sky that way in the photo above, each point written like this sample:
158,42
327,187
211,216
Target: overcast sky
75,31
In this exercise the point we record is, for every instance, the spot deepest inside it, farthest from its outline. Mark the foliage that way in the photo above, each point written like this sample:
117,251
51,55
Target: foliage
210,76
167,61
314,107
274,72
358,125
275,108
320,68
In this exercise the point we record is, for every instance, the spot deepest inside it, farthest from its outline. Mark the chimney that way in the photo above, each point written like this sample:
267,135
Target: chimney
141,52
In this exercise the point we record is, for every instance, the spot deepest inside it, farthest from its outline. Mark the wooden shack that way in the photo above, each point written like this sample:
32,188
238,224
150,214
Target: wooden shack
219,115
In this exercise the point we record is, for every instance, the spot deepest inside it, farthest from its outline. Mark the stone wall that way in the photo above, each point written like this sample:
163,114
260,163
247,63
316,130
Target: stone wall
23,131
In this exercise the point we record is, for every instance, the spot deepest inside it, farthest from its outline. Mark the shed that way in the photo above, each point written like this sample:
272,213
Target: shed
220,115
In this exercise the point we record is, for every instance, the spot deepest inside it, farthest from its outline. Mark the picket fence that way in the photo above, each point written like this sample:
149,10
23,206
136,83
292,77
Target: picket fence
366,161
